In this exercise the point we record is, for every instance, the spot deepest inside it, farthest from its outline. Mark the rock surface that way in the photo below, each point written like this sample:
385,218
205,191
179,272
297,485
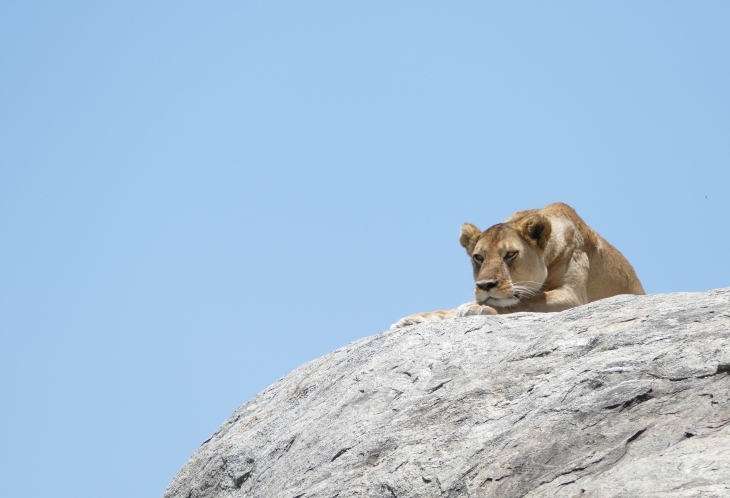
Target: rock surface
625,397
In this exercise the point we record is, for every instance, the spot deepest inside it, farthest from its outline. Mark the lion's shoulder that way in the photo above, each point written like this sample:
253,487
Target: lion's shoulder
607,271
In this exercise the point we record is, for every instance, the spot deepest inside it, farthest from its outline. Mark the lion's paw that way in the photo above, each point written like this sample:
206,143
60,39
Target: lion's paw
409,320
422,317
469,309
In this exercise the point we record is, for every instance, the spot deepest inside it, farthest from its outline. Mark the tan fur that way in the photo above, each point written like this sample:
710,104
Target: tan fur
538,260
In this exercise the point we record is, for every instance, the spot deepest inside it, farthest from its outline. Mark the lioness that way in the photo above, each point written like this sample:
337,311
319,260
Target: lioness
538,260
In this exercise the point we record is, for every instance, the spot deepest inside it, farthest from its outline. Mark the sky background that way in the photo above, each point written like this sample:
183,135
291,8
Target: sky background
196,198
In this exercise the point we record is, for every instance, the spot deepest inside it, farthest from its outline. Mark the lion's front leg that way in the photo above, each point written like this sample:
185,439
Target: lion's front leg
428,316
467,309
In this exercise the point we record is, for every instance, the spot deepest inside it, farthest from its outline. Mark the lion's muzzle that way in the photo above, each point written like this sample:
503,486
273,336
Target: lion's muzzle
487,285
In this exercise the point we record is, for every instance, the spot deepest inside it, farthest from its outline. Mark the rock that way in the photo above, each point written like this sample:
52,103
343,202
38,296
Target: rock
625,397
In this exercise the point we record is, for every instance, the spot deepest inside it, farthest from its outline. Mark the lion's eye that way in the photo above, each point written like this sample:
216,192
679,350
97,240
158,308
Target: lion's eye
478,258
510,255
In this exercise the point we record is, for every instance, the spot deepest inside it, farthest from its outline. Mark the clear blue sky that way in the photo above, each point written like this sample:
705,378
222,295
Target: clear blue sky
196,198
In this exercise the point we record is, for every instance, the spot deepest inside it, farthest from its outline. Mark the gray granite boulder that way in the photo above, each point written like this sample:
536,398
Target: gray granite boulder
625,397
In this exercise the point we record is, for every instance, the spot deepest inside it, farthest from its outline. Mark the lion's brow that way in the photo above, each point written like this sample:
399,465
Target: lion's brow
498,229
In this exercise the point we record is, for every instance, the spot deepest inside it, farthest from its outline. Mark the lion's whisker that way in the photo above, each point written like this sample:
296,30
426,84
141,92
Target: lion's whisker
520,291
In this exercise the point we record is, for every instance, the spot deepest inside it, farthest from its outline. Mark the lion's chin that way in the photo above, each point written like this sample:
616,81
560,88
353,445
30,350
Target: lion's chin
501,303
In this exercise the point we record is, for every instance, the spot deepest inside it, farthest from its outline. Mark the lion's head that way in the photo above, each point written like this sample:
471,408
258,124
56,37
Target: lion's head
507,259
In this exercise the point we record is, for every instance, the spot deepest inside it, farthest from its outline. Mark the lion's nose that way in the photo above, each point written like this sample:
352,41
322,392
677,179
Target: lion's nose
487,285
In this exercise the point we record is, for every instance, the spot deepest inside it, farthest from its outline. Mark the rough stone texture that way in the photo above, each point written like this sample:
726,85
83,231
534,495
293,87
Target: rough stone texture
625,397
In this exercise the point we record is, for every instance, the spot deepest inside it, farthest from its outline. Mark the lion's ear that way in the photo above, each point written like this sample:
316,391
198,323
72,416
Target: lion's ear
536,230
469,236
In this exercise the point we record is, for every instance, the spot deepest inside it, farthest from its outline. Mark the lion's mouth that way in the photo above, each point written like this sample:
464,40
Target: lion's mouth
502,302
504,298
488,298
